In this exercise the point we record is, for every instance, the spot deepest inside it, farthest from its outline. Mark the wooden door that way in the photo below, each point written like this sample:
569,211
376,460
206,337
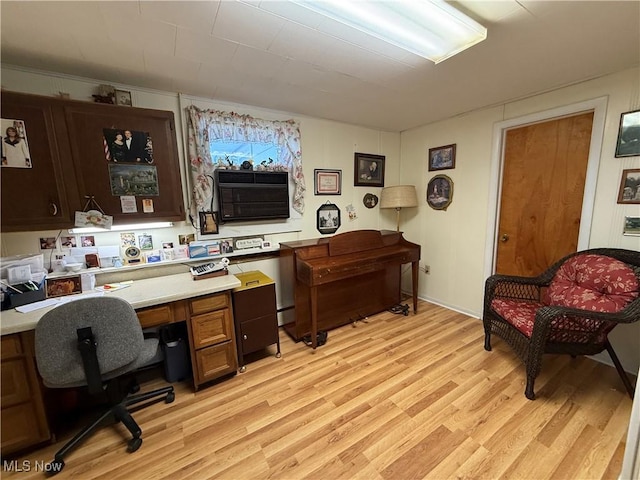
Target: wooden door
544,173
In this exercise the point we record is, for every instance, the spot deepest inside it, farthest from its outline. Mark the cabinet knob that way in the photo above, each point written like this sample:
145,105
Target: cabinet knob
244,337
53,209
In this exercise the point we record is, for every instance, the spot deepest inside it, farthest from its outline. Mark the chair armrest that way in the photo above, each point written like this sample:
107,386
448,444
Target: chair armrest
514,287
629,314
546,315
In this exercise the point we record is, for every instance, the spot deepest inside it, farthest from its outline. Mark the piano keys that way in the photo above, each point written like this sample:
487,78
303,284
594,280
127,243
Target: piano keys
345,278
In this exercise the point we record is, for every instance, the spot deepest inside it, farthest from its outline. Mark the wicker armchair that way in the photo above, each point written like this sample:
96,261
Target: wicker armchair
569,309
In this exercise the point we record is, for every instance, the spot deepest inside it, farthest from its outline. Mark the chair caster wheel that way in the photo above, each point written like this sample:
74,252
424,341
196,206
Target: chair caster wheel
134,444
54,467
171,396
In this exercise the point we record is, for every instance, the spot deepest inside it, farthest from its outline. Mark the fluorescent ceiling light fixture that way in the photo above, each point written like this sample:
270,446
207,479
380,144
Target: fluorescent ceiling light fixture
120,228
431,29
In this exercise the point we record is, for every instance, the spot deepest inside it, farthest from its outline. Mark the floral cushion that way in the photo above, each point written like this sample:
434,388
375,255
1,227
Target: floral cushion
518,313
521,314
593,282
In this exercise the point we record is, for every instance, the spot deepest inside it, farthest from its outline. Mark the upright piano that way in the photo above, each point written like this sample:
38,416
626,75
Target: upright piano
347,277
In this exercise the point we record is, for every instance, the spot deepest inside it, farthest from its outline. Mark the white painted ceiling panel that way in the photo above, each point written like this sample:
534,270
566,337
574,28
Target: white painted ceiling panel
247,53
247,25
196,16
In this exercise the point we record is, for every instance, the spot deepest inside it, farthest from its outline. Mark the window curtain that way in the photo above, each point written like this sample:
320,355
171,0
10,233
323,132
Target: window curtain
205,126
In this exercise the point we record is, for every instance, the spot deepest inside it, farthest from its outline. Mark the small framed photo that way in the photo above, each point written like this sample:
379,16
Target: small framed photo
440,192
328,218
327,182
123,97
631,226
442,158
145,241
368,170
629,186
208,223
628,144
58,287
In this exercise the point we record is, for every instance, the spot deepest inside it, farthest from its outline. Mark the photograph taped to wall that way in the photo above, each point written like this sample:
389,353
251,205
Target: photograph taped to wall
137,180
15,146
129,146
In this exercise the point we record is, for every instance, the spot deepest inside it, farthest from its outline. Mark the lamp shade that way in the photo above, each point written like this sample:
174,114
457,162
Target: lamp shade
399,196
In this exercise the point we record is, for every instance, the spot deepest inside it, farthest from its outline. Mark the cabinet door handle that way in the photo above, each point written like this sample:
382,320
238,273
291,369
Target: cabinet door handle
244,337
53,209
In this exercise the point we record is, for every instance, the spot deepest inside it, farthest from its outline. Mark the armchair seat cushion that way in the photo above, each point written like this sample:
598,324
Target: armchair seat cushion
593,282
564,329
519,313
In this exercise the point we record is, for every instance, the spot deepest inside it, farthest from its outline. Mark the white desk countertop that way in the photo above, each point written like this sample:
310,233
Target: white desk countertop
141,293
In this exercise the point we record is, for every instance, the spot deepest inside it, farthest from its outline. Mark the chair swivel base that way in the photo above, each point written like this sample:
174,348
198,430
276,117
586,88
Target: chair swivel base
120,413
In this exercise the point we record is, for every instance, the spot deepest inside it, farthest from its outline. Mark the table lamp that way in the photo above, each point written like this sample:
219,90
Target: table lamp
398,197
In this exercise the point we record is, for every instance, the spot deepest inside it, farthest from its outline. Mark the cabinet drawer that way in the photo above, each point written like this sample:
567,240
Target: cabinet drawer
150,317
213,362
153,316
258,333
11,346
15,382
209,303
211,328
254,302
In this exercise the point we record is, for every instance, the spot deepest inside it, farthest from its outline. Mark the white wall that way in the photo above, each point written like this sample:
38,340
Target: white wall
453,241
325,144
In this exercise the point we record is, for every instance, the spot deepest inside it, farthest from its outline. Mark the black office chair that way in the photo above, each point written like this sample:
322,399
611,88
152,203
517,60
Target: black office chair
94,342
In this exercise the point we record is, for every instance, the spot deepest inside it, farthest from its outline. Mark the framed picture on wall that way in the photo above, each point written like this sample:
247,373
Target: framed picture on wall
328,218
368,170
442,158
629,186
327,182
628,144
440,192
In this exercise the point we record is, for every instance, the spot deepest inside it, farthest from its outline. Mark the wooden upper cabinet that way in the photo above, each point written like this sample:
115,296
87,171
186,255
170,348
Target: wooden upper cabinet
156,179
37,198
67,148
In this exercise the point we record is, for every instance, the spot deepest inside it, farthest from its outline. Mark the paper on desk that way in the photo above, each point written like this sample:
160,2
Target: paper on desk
30,307
112,287
55,302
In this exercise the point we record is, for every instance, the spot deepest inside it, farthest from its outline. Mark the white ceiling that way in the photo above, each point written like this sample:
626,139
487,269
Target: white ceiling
244,52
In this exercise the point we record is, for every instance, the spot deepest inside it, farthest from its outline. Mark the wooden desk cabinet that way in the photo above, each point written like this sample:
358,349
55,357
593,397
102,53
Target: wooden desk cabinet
24,422
255,314
211,337
213,354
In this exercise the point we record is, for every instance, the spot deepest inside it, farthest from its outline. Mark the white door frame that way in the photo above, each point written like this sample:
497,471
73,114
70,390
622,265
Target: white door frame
599,108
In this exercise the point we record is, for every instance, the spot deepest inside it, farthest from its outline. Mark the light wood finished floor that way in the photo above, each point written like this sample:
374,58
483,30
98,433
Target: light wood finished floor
395,398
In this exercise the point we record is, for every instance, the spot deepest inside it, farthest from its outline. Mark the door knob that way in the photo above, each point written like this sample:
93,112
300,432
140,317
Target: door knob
504,237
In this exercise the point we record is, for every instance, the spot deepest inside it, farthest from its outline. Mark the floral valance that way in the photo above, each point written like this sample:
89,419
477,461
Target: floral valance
205,126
